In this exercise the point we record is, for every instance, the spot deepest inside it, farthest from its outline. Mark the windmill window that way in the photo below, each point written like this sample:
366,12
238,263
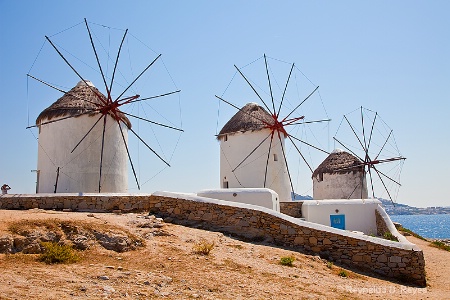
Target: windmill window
225,138
275,157
225,184
320,176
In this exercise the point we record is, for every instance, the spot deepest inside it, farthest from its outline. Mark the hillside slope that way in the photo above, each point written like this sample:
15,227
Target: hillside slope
167,267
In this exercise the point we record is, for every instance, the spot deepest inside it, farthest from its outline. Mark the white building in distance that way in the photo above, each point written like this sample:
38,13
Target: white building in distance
340,176
243,163
59,170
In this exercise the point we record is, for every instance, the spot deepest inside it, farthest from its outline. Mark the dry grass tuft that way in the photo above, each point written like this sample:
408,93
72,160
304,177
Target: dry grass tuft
203,247
440,245
23,227
237,246
343,273
58,254
287,261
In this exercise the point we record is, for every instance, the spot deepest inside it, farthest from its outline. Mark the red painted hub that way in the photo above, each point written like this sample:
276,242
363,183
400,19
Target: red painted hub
279,125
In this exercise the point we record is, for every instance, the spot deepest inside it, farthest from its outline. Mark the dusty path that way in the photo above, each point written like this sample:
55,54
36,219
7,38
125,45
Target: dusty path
437,263
167,268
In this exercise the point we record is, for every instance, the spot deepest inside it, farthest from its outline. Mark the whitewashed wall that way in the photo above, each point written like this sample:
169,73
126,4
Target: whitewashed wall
261,197
340,186
79,171
359,213
234,148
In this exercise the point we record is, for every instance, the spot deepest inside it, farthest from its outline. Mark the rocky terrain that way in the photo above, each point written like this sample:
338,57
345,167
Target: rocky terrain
139,256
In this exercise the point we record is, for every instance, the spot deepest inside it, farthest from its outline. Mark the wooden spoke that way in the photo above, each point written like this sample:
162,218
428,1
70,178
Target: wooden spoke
371,131
384,144
117,61
308,122
385,187
153,97
284,92
101,154
128,153
270,85
357,137
359,183
240,109
371,183
73,69
90,111
285,161
381,173
364,134
312,146
253,151
87,133
301,154
252,87
268,157
47,84
138,76
149,147
156,123
62,91
98,60
301,103
348,149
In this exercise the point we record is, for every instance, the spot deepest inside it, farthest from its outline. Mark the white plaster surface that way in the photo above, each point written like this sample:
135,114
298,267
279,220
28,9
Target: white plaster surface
359,213
256,196
250,174
340,186
79,171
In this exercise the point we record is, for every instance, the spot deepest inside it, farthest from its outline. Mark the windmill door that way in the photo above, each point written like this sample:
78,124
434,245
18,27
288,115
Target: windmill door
337,221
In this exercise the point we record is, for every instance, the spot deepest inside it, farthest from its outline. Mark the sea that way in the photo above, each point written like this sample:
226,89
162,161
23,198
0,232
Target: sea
428,226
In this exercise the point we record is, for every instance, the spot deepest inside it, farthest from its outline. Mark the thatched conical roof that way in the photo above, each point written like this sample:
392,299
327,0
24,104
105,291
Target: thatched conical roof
250,118
80,99
340,162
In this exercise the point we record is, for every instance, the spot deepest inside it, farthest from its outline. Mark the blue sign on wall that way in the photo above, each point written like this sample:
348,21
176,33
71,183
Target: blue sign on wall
337,221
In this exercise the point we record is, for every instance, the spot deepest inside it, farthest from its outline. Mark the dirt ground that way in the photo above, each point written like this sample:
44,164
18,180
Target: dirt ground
167,267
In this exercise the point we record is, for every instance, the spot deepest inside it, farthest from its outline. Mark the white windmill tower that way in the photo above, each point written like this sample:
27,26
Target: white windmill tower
374,154
253,151
244,135
83,136
64,167
340,176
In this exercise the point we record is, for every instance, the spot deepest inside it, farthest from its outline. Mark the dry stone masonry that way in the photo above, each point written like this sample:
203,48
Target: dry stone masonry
293,209
78,202
400,260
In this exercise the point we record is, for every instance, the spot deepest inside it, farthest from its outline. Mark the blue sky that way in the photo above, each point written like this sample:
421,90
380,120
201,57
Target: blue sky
390,57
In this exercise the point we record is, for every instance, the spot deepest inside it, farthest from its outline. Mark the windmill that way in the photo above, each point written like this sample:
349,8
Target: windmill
84,134
253,150
375,149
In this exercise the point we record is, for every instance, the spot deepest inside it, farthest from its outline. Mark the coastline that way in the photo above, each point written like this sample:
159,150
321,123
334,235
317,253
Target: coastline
432,227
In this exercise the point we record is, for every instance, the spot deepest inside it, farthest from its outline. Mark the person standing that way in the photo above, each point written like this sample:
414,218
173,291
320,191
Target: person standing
5,189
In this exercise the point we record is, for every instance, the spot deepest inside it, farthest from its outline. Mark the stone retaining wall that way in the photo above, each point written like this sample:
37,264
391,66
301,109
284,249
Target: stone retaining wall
403,261
78,202
293,209
400,260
